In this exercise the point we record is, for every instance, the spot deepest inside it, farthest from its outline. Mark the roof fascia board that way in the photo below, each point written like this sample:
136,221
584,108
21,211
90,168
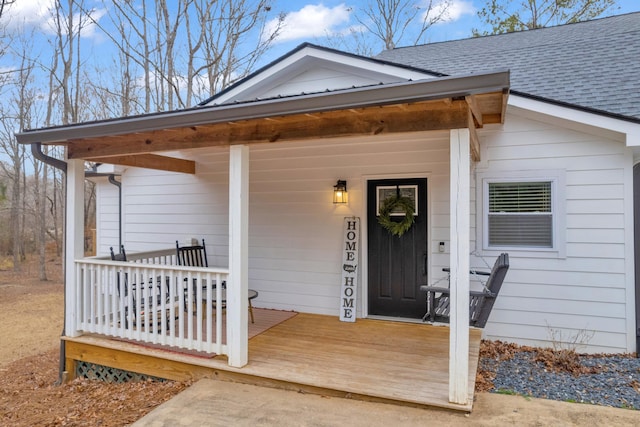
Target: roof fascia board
629,131
396,93
301,56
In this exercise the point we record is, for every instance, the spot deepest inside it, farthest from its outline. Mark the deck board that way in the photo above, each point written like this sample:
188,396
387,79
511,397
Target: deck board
391,361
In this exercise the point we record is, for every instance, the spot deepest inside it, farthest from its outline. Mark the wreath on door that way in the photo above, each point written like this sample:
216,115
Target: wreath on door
396,228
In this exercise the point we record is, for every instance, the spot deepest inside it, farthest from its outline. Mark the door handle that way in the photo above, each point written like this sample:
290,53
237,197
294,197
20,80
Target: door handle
424,264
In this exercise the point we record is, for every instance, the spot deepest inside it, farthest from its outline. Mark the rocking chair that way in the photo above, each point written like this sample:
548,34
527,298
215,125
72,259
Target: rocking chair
480,302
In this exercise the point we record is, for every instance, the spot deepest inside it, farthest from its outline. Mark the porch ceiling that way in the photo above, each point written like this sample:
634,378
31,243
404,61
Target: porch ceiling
437,104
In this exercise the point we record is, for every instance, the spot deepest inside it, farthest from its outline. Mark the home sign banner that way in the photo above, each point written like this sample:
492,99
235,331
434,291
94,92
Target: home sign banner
349,268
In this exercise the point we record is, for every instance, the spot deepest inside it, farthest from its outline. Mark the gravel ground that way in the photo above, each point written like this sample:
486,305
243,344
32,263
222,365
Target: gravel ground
600,380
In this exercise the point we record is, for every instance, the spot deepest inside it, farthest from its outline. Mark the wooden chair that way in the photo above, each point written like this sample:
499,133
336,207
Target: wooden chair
480,302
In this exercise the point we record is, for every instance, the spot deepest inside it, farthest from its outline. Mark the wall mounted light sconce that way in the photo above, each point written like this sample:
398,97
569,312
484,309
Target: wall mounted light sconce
340,192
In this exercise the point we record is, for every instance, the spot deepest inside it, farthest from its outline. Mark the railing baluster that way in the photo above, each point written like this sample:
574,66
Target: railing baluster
79,318
209,306
99,298
193,309
219,313
199,303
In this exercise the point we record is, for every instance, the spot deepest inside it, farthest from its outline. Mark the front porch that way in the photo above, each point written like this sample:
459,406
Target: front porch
411,129
373,360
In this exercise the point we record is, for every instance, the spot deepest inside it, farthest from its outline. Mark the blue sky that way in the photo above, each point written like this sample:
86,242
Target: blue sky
311,20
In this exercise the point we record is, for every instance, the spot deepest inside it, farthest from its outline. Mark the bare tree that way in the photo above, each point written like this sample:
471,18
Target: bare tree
66,102
14,115
187,50
5,40
13,171
3,4
227,27
67,32
40,215
400,21
503,17
169,54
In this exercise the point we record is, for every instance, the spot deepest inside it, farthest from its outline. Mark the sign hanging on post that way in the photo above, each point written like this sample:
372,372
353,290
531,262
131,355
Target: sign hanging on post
349,268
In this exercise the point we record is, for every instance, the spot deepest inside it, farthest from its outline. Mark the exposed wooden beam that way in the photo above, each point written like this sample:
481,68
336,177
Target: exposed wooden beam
505,100
151,161
473,136
475,109
493,118
371,121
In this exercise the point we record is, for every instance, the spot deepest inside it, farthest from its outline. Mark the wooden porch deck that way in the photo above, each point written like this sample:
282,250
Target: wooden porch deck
395,362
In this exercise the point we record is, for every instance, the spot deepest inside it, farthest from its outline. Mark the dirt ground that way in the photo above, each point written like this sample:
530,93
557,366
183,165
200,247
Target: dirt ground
31,315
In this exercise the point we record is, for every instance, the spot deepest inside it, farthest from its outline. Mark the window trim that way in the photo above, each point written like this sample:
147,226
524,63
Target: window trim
557,179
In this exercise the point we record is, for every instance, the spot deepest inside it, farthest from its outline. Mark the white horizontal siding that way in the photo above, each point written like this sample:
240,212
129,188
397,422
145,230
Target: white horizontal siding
584,293
162,207
107,217
595,341
316,81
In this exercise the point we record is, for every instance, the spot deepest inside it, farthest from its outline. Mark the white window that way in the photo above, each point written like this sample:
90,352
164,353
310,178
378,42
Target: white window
521,211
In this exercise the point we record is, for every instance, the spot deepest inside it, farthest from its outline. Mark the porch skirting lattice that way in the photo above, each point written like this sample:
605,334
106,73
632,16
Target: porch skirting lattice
93,371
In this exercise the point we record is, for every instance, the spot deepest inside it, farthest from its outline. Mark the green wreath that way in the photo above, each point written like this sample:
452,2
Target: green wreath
393,227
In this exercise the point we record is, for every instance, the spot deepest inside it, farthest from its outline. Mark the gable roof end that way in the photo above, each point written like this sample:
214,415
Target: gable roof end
276,78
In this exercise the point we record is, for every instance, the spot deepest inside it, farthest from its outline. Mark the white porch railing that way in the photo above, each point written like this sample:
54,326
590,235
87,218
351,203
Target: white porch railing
152,300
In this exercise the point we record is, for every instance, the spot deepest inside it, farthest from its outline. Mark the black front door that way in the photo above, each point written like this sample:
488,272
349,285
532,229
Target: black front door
397,265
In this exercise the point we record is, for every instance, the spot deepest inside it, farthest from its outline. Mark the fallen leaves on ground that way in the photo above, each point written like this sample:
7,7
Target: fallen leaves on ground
29,396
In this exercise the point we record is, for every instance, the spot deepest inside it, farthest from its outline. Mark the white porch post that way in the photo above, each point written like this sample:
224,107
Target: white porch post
237,289
459,263
74,240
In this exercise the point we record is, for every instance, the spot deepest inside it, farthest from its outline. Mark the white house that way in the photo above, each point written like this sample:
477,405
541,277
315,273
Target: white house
522,143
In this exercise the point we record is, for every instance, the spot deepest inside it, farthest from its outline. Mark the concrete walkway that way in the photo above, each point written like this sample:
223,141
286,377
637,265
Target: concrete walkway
218,403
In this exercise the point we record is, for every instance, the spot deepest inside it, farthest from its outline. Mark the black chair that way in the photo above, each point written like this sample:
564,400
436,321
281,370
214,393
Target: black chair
480,302
122,256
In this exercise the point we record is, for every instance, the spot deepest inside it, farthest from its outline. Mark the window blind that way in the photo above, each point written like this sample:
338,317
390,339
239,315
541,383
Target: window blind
520,214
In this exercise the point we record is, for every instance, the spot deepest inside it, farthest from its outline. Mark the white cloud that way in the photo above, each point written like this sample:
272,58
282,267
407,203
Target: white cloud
38,14
29,13
313,20
455,10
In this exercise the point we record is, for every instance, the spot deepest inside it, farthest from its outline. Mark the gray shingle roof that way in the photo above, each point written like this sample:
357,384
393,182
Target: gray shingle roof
593,65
